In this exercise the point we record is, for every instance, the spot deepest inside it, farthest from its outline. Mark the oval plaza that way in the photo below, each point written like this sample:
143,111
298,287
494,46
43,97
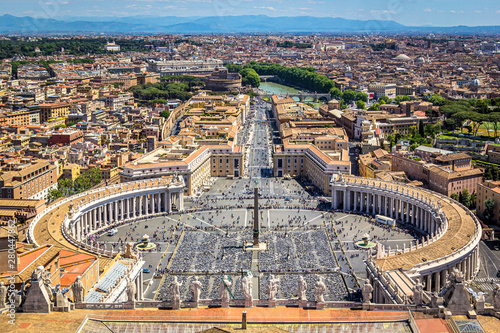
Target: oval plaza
449,240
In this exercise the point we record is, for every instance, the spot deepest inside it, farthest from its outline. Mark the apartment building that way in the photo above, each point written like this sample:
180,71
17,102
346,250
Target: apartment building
379,90
195,164
306,160
19,118
446,174
29,180
486,190
53,110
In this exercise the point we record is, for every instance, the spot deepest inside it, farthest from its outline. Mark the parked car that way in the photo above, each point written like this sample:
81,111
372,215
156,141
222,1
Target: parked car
145,270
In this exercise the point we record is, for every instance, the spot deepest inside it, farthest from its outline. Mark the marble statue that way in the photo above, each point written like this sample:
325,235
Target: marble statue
131,291
3,295
129,253
272,288
496,297
319,290
367,291
302,288
196,287
225,284
175,293
418,291
246,286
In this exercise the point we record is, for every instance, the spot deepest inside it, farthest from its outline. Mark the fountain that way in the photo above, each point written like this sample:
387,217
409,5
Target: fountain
365,242
145,244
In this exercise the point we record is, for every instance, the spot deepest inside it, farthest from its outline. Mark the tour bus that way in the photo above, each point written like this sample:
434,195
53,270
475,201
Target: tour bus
112,232
385,220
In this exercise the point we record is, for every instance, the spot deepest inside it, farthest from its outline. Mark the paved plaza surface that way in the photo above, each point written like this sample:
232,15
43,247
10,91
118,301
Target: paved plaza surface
209,244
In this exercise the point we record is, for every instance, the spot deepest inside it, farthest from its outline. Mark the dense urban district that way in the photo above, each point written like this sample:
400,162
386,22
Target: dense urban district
267,173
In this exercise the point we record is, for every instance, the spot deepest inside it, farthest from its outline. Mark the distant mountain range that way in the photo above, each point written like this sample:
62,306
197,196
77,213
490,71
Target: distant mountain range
220,24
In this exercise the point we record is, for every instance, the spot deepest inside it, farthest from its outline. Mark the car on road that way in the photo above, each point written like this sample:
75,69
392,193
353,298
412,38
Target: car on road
145,270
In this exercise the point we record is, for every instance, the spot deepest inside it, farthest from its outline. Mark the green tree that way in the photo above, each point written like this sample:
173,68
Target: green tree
437,100
360,104
401,98
494,118
421,128
488,214
349,95
413,131
472,201
165,114
335,93
250,77
54,194
384,100
455,196
374,107
361,96
465,198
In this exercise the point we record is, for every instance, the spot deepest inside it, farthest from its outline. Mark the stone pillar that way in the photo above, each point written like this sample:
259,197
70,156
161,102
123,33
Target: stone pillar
357,201
145,202
181,200
105,218
386,206
134,206
362,202
348,199
94,219
437,282
158,207
169,201
334,198
345,200
121,217
428,283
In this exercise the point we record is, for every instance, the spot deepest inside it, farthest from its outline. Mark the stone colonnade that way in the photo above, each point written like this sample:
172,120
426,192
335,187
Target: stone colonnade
124,206
419,208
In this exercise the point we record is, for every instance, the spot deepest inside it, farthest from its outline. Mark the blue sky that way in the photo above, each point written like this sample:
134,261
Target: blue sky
407,12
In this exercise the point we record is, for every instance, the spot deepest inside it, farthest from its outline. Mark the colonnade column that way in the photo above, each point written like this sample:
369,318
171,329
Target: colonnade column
158,203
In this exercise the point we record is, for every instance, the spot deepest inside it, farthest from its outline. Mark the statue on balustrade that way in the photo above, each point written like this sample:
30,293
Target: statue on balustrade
3,295
246,286
225,284
196,287
78,291
272,288
320,289
131,291
418,292
175,294
366,291
496,298
129,253
302,288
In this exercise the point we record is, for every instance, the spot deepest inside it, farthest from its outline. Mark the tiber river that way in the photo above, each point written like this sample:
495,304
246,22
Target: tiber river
276,88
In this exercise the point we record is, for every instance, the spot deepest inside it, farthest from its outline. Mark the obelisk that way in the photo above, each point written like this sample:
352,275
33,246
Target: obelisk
256,225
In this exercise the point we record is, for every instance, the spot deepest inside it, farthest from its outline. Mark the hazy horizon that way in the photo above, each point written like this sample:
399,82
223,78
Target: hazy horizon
438,13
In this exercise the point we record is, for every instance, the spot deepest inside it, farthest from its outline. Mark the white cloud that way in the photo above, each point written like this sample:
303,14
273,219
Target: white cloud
382,11
478,11
314,2
428,10
268,8
498,11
